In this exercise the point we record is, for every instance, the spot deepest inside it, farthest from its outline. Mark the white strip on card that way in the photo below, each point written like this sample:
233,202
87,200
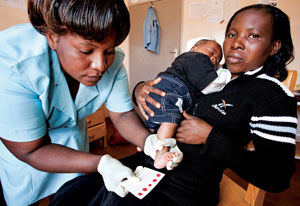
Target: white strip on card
149,179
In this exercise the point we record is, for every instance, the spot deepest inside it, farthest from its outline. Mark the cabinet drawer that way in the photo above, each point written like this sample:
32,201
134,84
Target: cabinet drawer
97,132
95,118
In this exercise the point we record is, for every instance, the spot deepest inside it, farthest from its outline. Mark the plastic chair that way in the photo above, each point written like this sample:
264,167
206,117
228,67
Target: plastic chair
231,193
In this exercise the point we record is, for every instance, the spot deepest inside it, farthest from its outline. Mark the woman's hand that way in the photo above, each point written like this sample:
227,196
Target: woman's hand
142,96
193,130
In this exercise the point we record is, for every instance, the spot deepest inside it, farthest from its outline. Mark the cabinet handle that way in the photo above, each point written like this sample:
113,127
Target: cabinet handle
89,121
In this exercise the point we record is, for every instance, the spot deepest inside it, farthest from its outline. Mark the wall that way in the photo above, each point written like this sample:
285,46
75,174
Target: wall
195,27
10,16
125,47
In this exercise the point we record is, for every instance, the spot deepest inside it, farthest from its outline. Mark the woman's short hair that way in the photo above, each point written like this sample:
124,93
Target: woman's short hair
91,19
275,65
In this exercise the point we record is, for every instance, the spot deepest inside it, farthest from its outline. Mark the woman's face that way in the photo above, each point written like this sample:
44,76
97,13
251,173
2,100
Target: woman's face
248,42
84,60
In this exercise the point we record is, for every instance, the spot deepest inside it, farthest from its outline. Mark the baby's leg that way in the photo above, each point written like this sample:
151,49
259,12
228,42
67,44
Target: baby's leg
166,130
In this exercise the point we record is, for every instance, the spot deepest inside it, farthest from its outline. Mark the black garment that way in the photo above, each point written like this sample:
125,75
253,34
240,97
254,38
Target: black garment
188,184
254,107
78,191
178,183
2,200
195,69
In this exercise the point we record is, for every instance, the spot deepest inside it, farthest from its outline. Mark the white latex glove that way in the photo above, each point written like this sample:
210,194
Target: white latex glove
113,173
152,144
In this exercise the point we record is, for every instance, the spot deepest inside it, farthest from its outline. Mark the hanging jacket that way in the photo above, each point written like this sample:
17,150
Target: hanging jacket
151,31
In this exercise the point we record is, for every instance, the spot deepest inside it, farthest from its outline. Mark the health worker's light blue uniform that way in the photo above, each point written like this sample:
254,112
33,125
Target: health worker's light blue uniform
35,99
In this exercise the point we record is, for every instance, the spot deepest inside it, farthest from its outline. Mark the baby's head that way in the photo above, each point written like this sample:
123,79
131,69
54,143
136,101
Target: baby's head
210,48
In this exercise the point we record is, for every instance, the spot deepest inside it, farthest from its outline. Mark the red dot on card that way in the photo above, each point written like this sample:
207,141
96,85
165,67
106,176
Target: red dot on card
154,180
144,189
140,194
150,185
158,175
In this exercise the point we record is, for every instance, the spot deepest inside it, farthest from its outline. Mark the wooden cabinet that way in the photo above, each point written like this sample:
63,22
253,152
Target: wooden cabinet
97,126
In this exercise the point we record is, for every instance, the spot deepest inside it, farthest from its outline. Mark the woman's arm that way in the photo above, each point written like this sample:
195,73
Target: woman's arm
130,127
271,165
273,131
45,156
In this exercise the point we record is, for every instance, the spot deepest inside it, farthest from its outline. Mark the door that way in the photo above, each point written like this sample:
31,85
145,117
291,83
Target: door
145,65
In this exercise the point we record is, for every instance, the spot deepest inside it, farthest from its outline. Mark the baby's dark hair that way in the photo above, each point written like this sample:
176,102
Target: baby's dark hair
275,65
202,42
90,19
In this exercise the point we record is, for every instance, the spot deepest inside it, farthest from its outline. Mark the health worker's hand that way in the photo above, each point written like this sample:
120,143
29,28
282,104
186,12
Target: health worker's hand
113,173
141,93
193,130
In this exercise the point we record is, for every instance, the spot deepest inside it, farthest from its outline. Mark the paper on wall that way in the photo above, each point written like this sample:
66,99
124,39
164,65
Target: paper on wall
270,2
198,9
20,4
215,10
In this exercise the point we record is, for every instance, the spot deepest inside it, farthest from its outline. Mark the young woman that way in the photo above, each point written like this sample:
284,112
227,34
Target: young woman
54,72
254,105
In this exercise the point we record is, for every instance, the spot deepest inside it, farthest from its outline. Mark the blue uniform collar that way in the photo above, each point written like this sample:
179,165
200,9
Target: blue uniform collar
61,100
85,95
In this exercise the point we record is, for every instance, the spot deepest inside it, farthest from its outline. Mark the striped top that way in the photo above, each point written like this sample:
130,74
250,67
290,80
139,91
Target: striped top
256,107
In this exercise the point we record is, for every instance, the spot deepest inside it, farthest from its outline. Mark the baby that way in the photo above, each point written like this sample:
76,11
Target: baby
191,75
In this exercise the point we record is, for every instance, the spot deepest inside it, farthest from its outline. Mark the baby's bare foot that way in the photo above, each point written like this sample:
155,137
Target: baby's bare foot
162,158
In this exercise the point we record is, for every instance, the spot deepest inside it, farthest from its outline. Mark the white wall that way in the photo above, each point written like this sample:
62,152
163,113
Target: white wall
125,47
10,16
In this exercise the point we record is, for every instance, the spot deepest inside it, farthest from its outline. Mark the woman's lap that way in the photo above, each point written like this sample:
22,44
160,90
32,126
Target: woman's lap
78,191
195,173
81,190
